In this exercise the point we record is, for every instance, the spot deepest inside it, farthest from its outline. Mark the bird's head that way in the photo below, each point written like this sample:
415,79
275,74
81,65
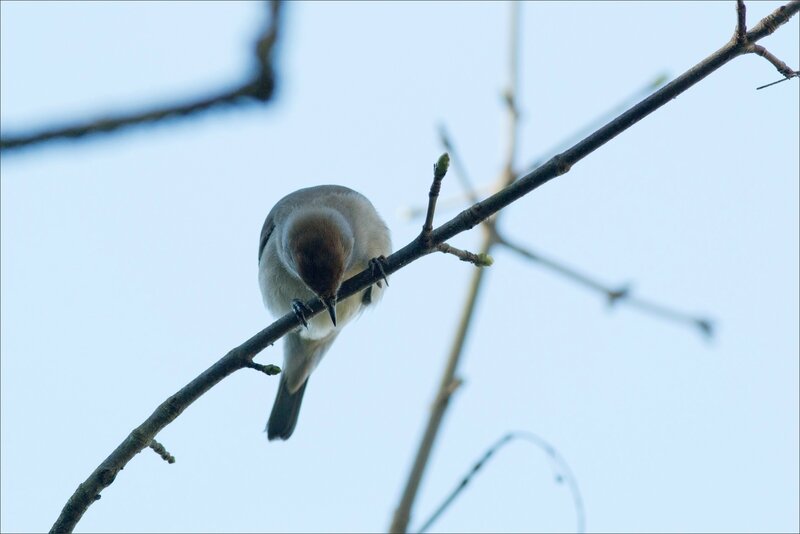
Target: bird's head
320,245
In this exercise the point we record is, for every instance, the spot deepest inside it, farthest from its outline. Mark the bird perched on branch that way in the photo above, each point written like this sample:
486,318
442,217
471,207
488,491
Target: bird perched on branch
313,240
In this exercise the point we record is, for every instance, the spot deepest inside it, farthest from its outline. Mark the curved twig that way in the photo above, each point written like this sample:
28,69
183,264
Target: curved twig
560,467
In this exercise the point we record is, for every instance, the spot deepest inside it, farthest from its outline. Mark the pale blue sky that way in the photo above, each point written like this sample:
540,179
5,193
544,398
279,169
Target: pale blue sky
129,266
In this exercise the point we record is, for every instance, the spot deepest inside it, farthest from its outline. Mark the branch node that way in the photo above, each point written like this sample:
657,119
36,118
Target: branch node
453,386
479,260
706,327
616,295
562,166
159,449
511,103
446,391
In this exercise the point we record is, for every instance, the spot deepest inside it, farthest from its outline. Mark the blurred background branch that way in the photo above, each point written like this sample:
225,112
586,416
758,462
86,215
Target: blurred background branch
402,514
258,87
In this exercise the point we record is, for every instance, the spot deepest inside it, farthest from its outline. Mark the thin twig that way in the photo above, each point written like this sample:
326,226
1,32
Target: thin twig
237,358
560,467
258,87
479,260
402,514
162,451
796,74
705,325
779,65
439,172
613,296
269,370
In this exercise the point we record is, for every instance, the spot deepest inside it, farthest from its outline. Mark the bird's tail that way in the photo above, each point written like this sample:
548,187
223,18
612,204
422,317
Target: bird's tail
285,411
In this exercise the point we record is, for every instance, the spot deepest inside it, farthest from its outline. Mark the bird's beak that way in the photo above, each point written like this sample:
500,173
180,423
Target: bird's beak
330,303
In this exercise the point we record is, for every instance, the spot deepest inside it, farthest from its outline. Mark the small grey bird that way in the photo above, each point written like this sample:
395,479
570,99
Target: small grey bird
313,240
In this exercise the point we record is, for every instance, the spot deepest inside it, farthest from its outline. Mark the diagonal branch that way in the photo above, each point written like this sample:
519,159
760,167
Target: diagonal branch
239,357
257,88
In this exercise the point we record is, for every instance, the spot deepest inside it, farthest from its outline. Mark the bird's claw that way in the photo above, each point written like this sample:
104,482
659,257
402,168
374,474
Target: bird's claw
376,266
300,310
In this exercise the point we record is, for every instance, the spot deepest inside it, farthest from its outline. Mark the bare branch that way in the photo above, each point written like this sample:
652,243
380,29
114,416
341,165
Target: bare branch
560,467
236,359
258,88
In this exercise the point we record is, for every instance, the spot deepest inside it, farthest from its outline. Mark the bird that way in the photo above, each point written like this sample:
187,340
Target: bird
313,240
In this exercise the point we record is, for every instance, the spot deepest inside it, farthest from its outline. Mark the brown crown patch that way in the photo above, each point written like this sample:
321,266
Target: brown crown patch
319,255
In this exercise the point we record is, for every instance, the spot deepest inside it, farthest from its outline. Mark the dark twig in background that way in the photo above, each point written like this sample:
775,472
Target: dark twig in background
561,469
257,88
613,296
238,358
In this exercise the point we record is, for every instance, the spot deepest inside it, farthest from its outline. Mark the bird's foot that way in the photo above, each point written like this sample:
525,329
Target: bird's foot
376,266
300,310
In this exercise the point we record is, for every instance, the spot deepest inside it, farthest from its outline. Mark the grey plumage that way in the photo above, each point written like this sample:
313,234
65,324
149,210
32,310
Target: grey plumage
312,241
